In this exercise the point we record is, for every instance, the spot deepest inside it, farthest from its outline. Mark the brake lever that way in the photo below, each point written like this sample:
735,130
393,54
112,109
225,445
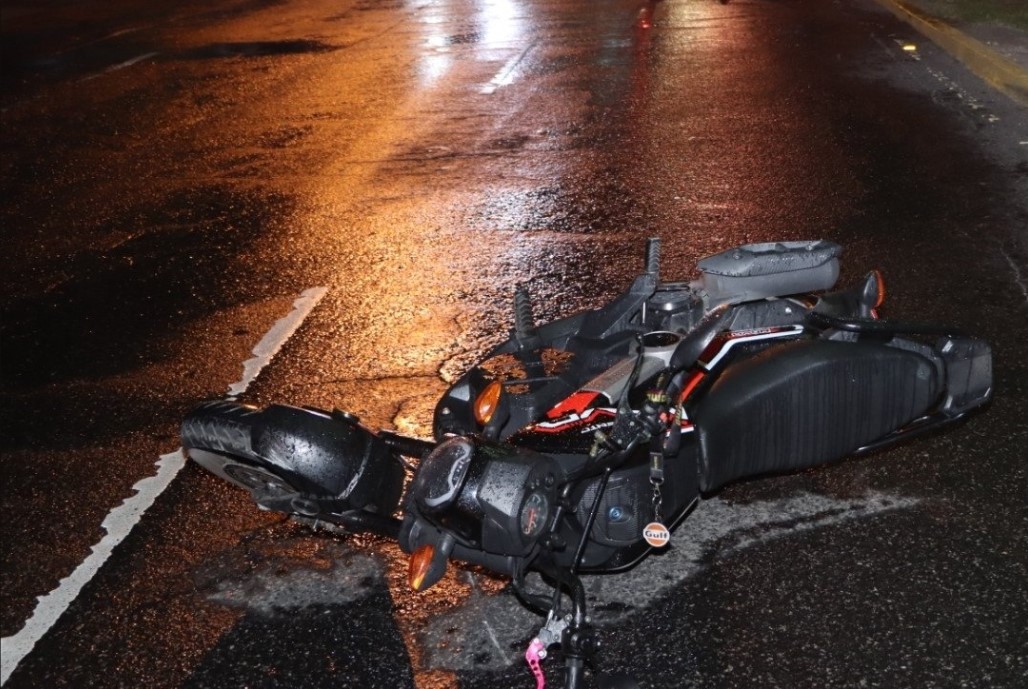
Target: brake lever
549,635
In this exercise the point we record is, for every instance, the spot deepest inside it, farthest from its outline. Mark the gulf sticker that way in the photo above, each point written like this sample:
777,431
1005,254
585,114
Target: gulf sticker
656,534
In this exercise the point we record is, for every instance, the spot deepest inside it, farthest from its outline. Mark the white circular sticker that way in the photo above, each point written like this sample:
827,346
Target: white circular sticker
656,534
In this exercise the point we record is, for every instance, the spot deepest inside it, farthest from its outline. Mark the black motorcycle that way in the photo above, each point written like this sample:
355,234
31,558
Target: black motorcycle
576,446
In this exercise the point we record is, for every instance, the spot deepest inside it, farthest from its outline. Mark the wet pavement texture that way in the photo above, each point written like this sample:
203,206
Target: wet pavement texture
174,176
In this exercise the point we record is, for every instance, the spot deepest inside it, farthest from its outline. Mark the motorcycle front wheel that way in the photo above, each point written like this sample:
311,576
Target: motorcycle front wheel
307,456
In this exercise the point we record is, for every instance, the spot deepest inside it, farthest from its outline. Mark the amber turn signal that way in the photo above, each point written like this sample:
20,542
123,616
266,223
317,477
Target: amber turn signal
487,402
418,566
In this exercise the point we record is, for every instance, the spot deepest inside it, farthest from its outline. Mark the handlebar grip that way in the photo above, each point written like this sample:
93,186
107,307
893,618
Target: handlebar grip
524,317
653,255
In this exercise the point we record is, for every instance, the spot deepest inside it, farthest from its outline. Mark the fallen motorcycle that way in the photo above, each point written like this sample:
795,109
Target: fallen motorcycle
577,446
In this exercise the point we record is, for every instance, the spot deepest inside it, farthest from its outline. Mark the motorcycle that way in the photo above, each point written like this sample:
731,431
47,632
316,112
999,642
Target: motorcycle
577,446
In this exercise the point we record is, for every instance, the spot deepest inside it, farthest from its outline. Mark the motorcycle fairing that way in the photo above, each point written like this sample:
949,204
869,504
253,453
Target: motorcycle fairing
844,394
725,342
626,506
570,424
598,341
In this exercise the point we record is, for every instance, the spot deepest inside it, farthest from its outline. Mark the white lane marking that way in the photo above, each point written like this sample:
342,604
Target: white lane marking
115,34
121,65
505,76
269,345
121,520
132,61
80,46
118,524
1018,278
122,32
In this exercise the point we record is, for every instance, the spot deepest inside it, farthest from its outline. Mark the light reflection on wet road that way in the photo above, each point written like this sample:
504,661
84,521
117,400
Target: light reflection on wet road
421,159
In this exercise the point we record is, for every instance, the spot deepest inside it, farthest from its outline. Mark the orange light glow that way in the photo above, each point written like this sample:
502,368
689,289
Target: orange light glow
417,567
880,279
487,402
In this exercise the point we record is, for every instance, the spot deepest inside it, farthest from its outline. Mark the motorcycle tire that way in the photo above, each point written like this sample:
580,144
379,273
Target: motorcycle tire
217,436
284,451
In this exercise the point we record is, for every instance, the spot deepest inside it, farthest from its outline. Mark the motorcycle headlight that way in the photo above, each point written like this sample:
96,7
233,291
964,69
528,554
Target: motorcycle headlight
492,497
441,474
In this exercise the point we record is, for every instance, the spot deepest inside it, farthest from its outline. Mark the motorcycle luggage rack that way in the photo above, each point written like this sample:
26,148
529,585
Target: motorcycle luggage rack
756,271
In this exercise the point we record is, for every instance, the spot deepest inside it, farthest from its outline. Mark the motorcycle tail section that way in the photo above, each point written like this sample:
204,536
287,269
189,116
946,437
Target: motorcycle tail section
968,363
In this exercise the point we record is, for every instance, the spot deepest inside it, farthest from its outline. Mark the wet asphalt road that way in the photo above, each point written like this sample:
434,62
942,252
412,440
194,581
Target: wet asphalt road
175,176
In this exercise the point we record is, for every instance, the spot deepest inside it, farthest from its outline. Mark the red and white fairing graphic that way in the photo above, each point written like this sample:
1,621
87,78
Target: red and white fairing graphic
584,408
721,345
718,349
589,410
